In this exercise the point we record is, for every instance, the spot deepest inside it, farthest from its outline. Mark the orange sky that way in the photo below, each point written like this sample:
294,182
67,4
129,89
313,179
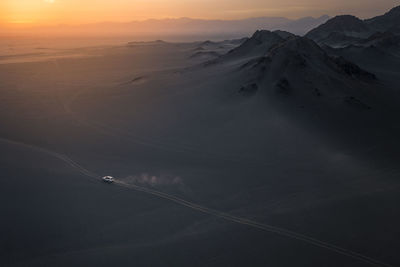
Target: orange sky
52,12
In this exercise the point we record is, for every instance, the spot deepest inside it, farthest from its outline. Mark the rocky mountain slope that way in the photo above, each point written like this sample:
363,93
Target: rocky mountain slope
344,30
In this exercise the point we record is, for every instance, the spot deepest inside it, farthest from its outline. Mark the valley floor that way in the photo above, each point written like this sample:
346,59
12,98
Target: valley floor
210,177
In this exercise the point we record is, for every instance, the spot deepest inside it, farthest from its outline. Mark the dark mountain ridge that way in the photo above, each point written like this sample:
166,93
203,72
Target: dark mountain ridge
346,29
390,21
300,68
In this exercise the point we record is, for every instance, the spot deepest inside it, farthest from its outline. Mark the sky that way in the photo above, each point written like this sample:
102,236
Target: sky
54,12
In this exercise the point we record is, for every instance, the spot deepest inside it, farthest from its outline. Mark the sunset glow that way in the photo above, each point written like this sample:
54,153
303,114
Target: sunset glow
53,12
199,133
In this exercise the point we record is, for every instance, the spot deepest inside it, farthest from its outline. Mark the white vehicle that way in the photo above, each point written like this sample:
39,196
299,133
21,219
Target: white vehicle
108,179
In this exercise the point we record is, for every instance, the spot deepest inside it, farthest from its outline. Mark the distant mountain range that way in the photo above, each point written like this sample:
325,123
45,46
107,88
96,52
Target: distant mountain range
164,28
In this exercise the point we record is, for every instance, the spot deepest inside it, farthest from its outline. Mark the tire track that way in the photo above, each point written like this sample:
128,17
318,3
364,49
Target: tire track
261,226
223,215
59,156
